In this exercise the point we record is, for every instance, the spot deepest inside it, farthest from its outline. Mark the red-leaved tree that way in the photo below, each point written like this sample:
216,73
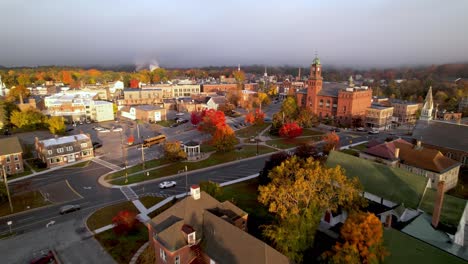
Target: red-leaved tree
249,118
211,120
224,138
290,130
130,140
196,117
134,83
124,222
259,116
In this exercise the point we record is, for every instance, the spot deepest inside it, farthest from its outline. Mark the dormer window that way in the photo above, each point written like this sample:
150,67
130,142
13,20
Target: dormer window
191,238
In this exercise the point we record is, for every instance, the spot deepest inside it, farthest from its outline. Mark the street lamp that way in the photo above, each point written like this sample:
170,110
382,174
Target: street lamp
9,223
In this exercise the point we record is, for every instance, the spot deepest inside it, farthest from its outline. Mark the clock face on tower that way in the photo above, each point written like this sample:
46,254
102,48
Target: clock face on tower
318,69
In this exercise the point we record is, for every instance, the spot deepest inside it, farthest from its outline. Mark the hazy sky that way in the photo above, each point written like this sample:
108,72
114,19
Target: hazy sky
224,32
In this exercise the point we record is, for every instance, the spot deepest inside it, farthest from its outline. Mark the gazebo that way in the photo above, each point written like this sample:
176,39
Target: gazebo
192,148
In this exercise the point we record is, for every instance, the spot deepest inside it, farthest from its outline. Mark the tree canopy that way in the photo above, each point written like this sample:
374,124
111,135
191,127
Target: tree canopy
299,193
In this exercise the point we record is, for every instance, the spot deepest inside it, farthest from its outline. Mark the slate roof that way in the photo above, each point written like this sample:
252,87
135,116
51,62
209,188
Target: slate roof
394,184
442,134
64,140
385,150
10,145
149,107
332,89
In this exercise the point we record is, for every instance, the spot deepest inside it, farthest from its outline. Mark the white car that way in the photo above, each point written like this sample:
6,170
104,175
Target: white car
179,114
360,129
373,131
117,129
104,130
167,184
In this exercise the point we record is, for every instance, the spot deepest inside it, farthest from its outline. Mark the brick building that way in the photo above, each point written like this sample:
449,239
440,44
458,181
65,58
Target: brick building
405,112
200,229
379,117
62,150
340,101
219,87
11,155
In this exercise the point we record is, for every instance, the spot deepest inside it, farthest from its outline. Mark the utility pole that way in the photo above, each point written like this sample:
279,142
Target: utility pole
124,160
186,181
7,189
138,130
142,155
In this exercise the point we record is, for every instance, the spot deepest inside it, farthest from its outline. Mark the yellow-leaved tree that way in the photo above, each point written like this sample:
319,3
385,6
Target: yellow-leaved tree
299,193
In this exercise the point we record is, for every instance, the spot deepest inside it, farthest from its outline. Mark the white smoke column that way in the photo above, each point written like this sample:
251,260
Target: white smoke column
153,65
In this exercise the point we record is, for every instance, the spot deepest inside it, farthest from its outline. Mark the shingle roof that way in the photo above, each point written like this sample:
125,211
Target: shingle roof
425,158
10,145
443,134
385,150
221,240
225,243
393,184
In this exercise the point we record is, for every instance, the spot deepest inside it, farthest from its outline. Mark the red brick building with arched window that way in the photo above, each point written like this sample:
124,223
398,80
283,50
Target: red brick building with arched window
340,101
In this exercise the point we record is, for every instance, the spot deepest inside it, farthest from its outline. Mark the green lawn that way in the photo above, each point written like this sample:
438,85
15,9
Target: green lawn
393,184
360,147
285,143
406,249
214,159
123,247
21,202
310,132
161,209
251,131
350,152
103,216
452,208
166,123
148,164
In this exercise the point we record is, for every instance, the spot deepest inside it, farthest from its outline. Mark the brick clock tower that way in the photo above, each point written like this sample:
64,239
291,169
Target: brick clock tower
314,84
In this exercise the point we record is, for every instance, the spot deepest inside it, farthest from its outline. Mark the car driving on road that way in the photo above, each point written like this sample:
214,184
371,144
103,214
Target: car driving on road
167,184
69,208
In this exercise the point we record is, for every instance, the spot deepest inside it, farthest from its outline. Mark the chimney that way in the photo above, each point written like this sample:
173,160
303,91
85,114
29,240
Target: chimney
418,144
438,204
195,192
397,153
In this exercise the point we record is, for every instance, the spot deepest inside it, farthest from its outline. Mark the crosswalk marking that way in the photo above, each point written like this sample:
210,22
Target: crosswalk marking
129,193
107,164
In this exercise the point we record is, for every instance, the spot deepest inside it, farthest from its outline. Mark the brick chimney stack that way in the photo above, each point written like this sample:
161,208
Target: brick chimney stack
438,204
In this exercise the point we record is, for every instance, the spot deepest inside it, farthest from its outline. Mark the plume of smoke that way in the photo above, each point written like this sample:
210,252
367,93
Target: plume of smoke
151,64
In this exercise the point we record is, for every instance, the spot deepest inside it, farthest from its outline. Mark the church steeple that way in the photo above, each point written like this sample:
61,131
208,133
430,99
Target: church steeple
426,111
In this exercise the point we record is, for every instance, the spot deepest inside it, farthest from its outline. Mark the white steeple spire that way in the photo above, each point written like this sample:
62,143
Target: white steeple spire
426,111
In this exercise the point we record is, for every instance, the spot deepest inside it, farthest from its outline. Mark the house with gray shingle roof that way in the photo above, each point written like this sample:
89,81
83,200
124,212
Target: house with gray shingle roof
11,155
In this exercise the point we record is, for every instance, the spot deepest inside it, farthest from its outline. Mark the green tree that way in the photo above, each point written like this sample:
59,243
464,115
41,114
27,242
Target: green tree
56,125
289,108
299,193
3,114
173,151
212,188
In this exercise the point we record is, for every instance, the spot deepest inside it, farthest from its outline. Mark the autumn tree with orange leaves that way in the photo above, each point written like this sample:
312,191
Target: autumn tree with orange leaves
332,141
362,241
299,193
290,130
214,123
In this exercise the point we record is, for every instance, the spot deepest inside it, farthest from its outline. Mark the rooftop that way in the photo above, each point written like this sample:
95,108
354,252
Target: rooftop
63,140
436,133
393,184
10,145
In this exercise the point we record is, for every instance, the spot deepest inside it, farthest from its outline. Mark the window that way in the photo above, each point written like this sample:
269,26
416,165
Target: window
8,169
465,160
49,152
8,158
17,166
449,155
162,254
84,145
60,150
177,260
16,157
69,148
